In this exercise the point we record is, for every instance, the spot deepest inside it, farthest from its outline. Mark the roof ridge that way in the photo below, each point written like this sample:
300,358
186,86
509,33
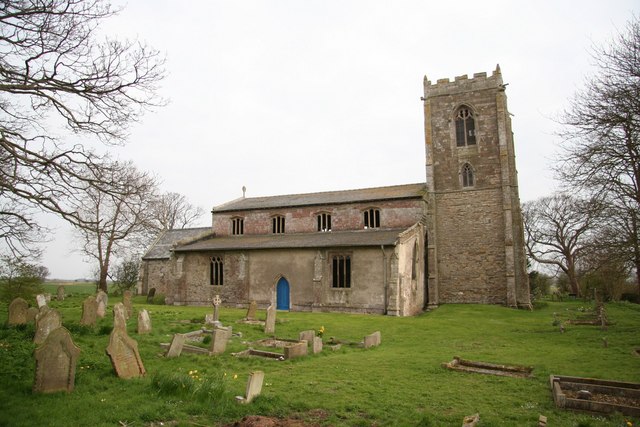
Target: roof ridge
326,192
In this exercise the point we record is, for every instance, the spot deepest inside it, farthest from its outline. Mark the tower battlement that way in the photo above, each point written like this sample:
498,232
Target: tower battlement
463,83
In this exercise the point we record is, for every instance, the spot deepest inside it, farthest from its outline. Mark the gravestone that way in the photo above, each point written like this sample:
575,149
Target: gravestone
103,301
144,322
124,355
175,348
60,294
150,295
254,387
372,340
56,362
317,345
47,321
120,317
126,300
32,312
41,300
307,336
89,311
251,312
295,350
18,311
219,339
270,323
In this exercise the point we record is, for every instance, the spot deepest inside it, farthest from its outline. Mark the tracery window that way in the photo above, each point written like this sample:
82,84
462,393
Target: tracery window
465,127
216,271
372,218
467,175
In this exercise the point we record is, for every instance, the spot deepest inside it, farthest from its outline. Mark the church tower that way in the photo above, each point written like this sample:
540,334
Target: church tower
475,240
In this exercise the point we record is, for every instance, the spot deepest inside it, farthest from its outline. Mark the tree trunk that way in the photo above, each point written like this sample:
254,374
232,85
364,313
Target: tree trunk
102,283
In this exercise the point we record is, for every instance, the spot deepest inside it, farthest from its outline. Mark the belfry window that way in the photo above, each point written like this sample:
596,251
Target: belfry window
216,272
277,224
324,222
341,271
237,226
467,175
372,218
465,127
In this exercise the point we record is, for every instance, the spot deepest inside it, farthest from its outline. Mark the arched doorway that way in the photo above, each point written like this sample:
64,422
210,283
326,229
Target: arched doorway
282,294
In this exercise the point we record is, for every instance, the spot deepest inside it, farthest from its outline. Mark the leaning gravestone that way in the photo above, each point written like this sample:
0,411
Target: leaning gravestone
56,362
251,312
219,339
18,312
89,311
124,355
144,322
41,299
60,293
150,295
103,300
126,300
47,321
254,387
175,348
270,323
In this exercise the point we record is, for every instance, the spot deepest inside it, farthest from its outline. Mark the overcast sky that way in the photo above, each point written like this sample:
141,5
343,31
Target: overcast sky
302,96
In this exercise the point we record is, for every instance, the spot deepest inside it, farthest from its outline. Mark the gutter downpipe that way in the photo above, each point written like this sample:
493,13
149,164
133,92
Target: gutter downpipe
385,282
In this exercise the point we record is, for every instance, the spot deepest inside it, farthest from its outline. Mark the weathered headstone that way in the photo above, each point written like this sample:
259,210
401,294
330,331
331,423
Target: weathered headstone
103,301
295,350
219,339
119,316
216,308
18,311
542,421
175,348
89,311
317,345
41,300
47,321
144,322
32,312
60,294
126,300
124,355
307,336
372,340
150,295
254,387
270,323
251,311
56,362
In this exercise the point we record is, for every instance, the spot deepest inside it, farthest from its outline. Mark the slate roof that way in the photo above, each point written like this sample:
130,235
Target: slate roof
406,191
162,247
298,240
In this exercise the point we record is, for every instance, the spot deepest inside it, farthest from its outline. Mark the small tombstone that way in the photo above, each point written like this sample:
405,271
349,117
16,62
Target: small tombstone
41,299
254,387
372,340
32,312
47,321
126,300
295,350
270,323
219,339
60,293
175,348
89,311
56,362
120,316
317,345
103,300
307,336
144,322
18,311
251,311
150,295
471,420
124,355
542,421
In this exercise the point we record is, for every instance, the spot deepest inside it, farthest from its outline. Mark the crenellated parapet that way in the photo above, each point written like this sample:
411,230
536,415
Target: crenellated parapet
479,81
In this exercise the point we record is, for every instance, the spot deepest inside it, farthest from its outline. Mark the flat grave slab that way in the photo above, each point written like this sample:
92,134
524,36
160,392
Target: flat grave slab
458,364
250,352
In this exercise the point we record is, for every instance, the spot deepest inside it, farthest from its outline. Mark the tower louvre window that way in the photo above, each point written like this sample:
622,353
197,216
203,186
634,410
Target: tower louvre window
237,226
465,127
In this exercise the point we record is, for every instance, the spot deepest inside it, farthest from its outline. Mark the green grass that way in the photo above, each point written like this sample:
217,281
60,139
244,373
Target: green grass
399,383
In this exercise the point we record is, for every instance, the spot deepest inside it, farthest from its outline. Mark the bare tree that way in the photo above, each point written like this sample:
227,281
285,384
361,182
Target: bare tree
557,232
58,83
602,134
172,210
113,219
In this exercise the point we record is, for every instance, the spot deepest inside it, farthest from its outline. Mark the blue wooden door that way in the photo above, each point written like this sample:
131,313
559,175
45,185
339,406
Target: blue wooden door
282,294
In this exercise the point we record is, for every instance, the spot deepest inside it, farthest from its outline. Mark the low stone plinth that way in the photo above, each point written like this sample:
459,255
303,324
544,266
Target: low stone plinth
459,364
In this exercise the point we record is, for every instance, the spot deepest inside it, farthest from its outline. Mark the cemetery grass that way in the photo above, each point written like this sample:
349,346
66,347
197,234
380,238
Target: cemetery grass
401,382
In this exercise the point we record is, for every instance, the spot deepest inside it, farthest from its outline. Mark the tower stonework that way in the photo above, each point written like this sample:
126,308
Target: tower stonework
475,240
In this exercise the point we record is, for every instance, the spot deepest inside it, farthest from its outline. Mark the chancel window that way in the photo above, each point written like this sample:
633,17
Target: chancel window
237,226
467,175
465,127
216,272
324,222
341,271
277,224
372,218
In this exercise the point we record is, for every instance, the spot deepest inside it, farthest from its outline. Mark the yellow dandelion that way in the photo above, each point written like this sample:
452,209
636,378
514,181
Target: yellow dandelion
235,376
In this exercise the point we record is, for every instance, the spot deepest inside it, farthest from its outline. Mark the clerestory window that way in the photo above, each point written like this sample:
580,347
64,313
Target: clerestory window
465,127
324,222
277,224
372,218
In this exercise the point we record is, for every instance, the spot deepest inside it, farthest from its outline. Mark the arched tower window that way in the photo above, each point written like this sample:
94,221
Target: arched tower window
465,127
467,175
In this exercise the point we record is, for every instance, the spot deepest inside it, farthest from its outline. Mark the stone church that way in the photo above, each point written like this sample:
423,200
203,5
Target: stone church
396,250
